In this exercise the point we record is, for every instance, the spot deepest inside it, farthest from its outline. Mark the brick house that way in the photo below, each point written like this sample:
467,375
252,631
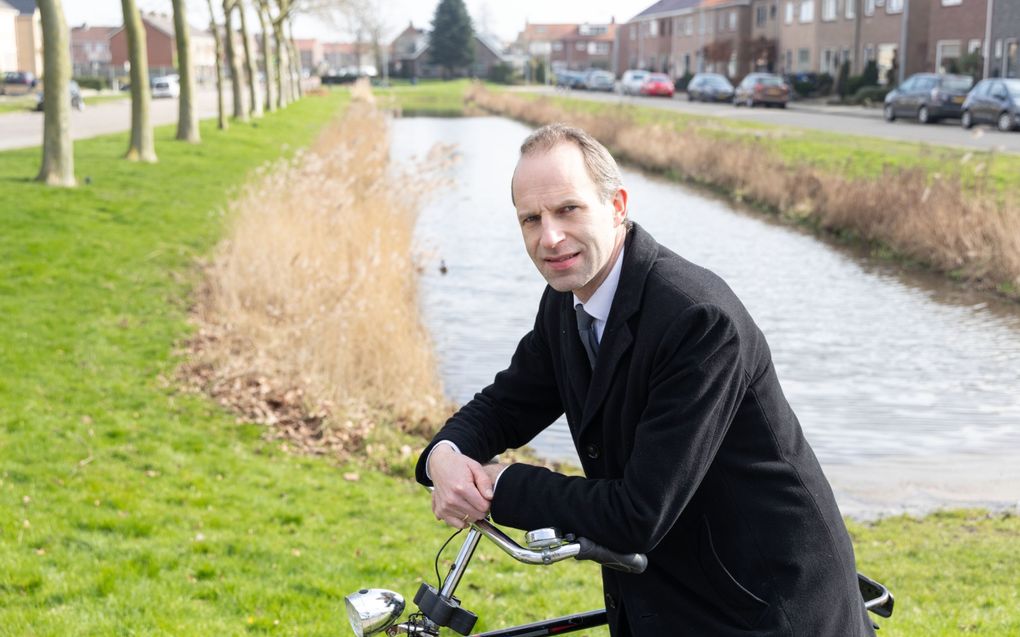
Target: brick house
487,53
1003,57
570,46
956,28
161,46
8,37
764,53
405,48
646,40
90,50
27,36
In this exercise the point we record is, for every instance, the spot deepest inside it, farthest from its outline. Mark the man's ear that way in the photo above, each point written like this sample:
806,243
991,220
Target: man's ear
619,206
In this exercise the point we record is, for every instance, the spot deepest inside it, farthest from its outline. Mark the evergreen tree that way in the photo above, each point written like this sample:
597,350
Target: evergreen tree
451,41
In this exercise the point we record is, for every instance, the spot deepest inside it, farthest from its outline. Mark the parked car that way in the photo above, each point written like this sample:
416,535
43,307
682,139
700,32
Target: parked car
570,79
18,83
658,84
994,101
166,86
77,102
929,97
762,88
709,87
599,80
632,80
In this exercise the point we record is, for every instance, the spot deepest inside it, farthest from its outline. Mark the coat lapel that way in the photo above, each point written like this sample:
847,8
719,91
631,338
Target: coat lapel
639,255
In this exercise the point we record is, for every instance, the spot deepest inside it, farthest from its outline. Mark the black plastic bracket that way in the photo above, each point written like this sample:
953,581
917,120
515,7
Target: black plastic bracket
444,612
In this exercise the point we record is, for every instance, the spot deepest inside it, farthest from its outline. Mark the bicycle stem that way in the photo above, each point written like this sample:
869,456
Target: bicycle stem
460,564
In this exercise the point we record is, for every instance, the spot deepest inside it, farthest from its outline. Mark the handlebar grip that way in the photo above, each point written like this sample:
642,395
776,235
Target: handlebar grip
630,563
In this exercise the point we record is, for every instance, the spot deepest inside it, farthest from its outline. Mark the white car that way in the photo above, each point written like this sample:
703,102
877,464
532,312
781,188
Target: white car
630,83
168,86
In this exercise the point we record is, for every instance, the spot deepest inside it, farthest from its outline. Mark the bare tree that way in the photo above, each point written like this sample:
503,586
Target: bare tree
363,19
295,57
58,149
253,77
240,113
187,115
221,109
268,69
143,146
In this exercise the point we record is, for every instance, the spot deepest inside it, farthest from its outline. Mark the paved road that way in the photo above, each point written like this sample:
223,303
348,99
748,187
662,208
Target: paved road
848,120
24,129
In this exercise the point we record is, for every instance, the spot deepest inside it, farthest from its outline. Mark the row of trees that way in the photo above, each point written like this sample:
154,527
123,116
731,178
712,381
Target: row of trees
280,68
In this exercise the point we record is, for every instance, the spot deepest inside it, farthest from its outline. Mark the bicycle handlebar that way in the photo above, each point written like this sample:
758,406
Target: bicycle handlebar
635,563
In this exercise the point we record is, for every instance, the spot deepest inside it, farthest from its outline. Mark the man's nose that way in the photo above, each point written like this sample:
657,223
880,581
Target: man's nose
552,234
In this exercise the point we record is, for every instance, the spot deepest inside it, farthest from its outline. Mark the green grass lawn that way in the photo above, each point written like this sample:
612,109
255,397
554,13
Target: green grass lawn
130,508
18,104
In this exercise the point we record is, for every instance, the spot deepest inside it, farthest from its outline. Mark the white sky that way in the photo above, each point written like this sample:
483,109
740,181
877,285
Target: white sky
502,17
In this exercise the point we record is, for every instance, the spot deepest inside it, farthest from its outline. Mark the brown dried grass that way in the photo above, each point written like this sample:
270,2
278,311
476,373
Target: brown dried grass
936,220
309,318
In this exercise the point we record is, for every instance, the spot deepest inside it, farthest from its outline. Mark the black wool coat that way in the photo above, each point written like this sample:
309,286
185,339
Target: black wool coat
691,455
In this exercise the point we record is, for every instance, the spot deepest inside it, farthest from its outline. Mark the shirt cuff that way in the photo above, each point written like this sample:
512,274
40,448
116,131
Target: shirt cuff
434,447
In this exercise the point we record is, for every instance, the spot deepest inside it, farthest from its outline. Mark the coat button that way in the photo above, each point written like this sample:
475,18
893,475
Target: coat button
610,602
592,450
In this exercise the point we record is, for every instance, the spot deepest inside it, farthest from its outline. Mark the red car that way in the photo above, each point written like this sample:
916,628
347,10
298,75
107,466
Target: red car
658,84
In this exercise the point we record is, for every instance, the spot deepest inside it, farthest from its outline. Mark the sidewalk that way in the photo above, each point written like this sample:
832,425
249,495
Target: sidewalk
820,106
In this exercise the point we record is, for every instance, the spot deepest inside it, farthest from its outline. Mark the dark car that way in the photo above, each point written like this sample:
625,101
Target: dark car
570,79
929,97
762,88
17,83
995,101
77,102
709,87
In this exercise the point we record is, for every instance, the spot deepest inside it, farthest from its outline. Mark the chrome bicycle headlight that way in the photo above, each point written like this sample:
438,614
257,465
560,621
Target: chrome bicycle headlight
373,610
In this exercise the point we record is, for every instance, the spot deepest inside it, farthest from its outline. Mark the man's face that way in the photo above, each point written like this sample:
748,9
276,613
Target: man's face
570,233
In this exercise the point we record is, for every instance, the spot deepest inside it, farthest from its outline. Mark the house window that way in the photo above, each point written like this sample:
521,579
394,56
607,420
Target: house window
789,60
653,28
894,6
733,20
869,7
760,15
828,61
886,55
947,54
788,18
689,26
973,45
803,59
557,46
828,10
950,3
722,21
850,8
869,53
807,10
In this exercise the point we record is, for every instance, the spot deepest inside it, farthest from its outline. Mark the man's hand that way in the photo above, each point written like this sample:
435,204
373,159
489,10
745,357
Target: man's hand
462,490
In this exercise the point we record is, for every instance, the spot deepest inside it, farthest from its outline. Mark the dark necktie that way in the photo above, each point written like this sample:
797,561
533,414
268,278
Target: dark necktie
586,330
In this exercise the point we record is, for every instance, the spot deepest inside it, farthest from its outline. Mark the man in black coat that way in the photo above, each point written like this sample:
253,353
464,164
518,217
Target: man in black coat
690,451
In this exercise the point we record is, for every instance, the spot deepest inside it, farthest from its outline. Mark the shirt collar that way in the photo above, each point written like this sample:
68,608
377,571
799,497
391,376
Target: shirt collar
601,301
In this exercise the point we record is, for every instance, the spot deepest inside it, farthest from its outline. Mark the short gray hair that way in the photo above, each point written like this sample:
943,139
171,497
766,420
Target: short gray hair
598,162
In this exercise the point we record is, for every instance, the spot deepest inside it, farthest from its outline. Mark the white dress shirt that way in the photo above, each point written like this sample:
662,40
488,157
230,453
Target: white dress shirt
597,307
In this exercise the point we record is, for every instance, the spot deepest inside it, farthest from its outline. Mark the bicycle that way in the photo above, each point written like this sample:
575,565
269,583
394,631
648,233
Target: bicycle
374,611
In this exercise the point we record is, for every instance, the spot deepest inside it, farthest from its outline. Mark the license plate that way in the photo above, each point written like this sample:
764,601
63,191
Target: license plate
958,99
774,91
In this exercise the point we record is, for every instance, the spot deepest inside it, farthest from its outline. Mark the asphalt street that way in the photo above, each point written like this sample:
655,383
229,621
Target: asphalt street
850,120
24,128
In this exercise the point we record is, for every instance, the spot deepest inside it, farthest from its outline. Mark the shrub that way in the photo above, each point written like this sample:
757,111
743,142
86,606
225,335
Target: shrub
682,81
843,79
93,82
869,94
870,75
501,73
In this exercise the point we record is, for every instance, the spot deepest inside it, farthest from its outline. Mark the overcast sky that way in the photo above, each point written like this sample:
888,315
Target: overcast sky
502,17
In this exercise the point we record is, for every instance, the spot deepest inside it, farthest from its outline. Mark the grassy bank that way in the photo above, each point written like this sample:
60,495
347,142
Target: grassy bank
130,507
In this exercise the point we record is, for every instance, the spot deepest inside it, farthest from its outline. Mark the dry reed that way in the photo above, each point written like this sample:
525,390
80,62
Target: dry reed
310,313
937,220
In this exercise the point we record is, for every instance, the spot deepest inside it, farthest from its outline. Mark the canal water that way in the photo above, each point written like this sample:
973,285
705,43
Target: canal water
884,369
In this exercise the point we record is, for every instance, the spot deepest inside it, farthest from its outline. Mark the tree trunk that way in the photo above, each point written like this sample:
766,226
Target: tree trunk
235,69
187,115
253,76
282,67
267,61
58,150
221,110
295,57
143,147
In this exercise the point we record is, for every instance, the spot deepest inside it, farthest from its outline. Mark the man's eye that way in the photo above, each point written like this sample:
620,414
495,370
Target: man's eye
569,208
529,220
